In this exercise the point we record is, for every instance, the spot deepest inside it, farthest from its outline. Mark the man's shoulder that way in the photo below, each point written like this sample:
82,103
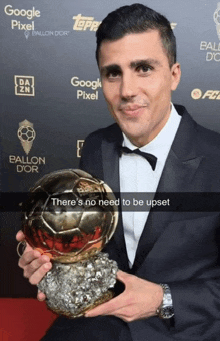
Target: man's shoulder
206,138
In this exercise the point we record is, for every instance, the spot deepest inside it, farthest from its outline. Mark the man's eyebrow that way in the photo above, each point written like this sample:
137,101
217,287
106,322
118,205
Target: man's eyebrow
150,62
134,64
110,68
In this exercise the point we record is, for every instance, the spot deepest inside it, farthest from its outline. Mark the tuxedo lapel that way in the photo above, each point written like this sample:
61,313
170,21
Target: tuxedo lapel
111,165
110,157
179,170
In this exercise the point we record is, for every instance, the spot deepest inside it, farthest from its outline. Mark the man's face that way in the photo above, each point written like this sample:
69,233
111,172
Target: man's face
137,83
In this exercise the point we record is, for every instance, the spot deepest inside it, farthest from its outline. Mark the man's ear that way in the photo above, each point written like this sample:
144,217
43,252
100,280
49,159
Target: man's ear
176,75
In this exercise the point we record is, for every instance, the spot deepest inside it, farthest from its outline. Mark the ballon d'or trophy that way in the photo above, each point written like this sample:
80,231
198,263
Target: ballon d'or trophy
70,216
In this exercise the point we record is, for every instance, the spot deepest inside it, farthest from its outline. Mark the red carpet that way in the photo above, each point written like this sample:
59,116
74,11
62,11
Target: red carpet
24,319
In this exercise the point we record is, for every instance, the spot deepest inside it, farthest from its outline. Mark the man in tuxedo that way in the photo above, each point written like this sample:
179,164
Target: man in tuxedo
168,260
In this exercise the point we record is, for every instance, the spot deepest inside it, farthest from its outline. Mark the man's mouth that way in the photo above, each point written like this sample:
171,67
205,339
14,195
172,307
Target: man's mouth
132,110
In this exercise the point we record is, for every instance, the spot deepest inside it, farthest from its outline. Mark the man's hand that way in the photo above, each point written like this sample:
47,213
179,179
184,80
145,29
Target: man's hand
34,264
139,300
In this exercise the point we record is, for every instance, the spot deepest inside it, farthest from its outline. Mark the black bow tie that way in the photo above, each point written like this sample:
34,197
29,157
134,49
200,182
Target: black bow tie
149,157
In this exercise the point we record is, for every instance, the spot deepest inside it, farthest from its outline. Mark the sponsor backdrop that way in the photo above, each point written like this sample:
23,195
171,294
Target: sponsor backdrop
52,94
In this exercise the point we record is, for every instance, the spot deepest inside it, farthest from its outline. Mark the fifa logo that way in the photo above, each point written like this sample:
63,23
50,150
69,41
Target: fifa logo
26,135
209,94
216,18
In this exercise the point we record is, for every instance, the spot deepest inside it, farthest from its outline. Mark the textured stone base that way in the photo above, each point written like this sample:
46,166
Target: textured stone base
72,289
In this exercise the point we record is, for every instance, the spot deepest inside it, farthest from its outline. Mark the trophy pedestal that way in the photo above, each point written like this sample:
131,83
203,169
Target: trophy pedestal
72,289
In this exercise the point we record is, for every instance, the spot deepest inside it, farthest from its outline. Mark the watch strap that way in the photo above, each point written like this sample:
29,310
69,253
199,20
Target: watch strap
166,311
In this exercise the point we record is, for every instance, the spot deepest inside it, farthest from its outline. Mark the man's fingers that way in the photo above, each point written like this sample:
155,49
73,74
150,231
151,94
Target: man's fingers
103,309
35,265
123,276
41,296
28,256
20,236
37,276
116,303
109,307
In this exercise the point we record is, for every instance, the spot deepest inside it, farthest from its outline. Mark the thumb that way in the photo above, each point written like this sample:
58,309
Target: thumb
122,276
20,236
41,296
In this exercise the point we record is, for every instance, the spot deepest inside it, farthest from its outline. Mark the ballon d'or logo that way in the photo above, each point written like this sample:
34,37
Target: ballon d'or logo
26,135
216,18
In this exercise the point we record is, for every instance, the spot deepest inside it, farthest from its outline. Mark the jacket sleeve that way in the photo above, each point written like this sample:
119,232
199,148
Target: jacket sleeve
196,299
197,309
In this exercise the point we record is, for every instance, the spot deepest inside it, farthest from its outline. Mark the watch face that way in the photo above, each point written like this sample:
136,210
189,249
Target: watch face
167,312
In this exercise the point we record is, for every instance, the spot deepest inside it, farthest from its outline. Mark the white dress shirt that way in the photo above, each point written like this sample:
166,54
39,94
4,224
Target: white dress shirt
136,175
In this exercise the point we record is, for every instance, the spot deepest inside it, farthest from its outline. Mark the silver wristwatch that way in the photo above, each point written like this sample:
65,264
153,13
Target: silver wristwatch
165,311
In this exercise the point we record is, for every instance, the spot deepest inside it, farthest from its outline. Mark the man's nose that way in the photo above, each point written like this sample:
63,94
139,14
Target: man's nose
128,87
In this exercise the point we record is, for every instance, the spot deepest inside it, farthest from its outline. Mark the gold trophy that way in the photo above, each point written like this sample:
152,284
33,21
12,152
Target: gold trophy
70,216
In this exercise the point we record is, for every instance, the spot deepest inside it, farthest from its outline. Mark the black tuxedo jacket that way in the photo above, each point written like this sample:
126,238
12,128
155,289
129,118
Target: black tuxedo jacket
177,248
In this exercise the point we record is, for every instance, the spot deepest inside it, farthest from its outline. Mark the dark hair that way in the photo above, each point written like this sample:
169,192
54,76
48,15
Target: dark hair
136,18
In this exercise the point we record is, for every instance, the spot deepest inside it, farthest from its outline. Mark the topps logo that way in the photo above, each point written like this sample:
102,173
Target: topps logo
85,23
173,25
209,94
88,23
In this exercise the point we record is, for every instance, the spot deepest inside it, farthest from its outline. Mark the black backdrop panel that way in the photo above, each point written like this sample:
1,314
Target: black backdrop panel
52,97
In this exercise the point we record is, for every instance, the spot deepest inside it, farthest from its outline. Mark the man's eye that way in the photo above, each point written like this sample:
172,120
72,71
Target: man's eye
144,68
113,74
